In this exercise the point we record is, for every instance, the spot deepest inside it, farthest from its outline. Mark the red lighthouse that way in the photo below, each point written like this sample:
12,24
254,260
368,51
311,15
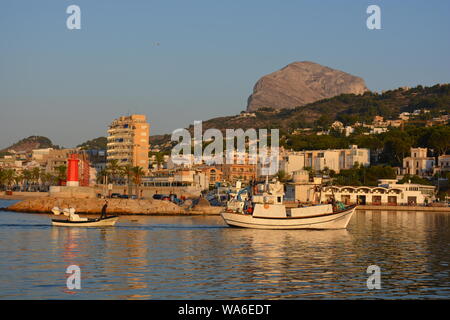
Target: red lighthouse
72,171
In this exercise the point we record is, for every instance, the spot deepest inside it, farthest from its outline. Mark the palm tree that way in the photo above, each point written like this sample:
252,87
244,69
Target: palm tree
101,176
27,178
18,179
113,169
48,179
127,171
138,173
61,172
9,176
2,177
35,175
159,158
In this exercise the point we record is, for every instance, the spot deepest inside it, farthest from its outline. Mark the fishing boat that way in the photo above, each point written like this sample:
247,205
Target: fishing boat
266,210
75,220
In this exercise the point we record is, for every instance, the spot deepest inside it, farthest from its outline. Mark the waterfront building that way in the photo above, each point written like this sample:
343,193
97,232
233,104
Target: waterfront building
418,163
318,160
213,174
56,158
194,180
388,192
10,162
303,188
238,172
128,141
60,158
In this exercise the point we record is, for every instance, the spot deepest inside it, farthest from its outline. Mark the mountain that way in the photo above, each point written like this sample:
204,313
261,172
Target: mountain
301,83
30,143
348,108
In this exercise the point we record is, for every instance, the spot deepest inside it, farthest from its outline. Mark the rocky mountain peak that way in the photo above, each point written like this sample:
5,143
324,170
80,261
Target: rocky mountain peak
300,83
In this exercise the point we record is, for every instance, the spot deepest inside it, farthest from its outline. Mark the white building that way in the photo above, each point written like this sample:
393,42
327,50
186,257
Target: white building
418,163
333,159
388,192
303,189
444,162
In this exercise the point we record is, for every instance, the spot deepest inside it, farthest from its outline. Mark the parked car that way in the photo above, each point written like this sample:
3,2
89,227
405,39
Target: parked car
159,196
115,195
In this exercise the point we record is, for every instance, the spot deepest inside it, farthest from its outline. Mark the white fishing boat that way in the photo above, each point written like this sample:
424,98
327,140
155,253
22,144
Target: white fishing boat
267,211
75,220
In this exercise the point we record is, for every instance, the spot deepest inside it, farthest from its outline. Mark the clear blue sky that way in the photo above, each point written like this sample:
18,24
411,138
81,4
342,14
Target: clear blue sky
68,85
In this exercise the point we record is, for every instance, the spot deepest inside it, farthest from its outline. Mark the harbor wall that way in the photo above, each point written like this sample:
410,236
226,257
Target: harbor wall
148,192
115,206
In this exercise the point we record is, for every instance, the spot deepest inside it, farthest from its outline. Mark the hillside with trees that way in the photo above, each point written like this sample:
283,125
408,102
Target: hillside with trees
30,143
347,108
94,144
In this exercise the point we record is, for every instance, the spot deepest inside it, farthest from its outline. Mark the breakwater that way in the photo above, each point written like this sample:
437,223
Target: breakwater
115,206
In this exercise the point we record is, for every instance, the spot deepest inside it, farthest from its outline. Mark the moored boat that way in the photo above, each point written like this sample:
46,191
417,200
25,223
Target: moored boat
75,220
104,222
267,211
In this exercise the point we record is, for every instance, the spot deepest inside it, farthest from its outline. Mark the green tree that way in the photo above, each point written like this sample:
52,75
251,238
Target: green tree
61,173
414,179
8,177
127,172
138,174
282,176
113,168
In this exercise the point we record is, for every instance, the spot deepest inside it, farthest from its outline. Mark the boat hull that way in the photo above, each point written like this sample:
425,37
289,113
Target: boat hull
105,222
336,220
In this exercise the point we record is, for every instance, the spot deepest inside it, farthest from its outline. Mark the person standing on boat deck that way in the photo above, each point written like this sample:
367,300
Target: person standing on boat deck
103,215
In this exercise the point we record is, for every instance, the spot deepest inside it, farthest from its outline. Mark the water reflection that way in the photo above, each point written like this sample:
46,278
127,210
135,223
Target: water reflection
201,258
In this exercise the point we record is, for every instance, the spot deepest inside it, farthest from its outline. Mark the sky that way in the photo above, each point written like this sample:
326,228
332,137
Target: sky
185,60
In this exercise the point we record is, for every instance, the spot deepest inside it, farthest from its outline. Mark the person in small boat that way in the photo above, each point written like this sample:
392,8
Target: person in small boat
105,206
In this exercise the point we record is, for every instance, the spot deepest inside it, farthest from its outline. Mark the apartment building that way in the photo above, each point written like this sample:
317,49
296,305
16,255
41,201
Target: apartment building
333,159
128,141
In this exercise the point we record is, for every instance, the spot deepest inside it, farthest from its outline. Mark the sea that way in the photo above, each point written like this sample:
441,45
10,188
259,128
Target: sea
381,255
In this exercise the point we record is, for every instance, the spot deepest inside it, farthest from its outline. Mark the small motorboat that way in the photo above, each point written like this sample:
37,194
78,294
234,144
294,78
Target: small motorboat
267,211
75,220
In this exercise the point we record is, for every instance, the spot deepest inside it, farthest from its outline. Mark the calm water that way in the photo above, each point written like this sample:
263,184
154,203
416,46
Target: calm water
201,258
